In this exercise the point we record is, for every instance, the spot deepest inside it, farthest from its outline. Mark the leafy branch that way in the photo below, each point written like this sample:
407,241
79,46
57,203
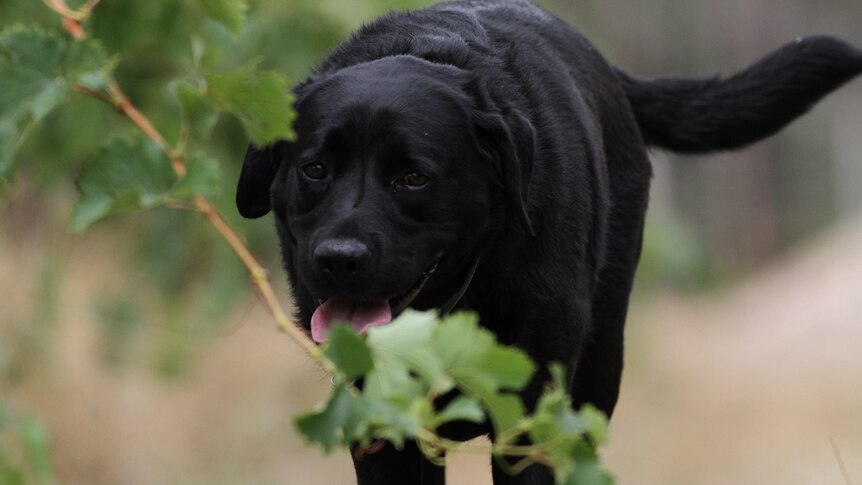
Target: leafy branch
114,95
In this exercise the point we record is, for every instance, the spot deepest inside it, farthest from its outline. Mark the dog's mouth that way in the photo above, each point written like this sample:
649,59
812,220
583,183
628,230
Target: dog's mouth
364,314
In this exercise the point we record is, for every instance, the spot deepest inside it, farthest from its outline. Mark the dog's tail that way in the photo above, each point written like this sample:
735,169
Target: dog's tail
703,115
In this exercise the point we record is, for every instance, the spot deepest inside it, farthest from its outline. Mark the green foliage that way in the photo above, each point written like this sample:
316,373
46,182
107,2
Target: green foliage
24,450
572,457
230,13
407,365
37,70
199,116
126,176
261,101
348,352
129,175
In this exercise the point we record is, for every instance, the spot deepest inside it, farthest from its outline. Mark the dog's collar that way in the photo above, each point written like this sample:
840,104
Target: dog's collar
450,305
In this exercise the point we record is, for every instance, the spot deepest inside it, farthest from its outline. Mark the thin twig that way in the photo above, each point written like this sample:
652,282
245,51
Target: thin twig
117,98
259,276
90,5
63,10
73,20
74,28
519,467
121,101
511,434
92,93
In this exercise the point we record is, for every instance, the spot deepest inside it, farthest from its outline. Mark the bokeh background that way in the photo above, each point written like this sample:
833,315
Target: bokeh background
137,354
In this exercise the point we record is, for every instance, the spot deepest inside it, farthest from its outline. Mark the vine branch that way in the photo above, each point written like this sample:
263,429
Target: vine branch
118,99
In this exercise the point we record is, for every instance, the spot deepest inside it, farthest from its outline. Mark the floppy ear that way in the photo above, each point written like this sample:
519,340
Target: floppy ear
510,139
258,172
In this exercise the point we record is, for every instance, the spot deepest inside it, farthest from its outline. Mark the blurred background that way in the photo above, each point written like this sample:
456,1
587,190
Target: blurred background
137,354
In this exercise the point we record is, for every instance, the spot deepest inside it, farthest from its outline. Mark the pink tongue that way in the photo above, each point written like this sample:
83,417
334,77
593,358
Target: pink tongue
360,315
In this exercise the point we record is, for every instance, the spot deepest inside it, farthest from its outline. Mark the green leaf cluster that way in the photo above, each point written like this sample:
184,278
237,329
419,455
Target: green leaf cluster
133,174
230,13
420,373
37,71
261,100
573,436
405,366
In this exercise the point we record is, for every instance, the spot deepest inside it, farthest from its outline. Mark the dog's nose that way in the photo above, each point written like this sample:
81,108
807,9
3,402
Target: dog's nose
341,258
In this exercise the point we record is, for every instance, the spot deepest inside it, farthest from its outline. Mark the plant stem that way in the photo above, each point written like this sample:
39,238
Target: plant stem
259,276
89,6
63,10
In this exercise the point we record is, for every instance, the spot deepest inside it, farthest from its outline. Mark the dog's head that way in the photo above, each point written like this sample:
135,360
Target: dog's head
402,173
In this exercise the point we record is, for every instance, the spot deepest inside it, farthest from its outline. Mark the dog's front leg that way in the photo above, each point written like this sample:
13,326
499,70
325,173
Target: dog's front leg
390,466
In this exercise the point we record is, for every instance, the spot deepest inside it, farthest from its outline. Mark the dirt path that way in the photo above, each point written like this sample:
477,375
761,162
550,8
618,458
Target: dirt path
750,386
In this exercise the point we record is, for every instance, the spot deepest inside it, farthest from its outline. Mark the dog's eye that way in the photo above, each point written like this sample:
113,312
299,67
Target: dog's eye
415,180
314,171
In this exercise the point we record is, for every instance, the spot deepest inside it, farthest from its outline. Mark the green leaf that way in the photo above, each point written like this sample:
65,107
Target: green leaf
589,472
467,348
348,352
37,70
325,425
391,418
461,409
505,410
230,13
199,114
133,174
88,65
391,379
407,341
203,177
483,368
573,457
261,100
597,424
125,176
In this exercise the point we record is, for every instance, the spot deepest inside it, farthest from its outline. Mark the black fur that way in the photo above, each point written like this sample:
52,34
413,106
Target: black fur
535,150
723,114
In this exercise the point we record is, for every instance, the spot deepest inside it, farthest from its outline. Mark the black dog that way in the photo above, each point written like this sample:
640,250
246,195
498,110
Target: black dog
482,155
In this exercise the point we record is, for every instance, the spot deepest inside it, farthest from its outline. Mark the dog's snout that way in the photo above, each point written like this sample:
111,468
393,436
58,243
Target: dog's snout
342,258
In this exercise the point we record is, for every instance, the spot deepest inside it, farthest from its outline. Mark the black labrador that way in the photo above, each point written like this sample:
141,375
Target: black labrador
483,155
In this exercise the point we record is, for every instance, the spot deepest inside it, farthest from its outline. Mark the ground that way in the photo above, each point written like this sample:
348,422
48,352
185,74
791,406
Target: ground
752,384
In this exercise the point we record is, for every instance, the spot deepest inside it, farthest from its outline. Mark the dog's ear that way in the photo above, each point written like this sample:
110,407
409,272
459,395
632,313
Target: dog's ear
509,138
258,172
